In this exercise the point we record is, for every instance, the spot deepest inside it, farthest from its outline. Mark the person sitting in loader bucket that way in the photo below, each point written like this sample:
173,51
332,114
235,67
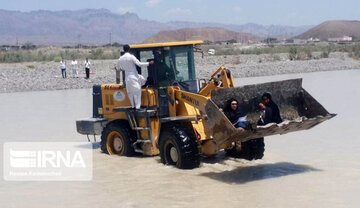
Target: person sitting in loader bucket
270,110
235,115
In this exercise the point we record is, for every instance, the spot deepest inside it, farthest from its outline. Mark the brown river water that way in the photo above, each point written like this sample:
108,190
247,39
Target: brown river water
314,168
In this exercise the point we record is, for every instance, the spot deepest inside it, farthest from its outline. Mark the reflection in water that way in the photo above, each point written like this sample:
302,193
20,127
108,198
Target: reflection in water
259,172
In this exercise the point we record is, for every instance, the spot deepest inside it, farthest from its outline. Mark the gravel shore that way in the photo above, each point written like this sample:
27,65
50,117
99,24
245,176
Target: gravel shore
35,76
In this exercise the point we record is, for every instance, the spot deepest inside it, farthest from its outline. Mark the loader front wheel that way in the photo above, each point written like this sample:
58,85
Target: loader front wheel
178,148
117,139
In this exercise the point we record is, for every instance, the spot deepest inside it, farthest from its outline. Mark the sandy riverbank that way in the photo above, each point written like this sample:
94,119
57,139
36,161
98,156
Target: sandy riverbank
37,76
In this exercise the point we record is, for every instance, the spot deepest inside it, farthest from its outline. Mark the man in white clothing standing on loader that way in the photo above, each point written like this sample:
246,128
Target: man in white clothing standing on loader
128,63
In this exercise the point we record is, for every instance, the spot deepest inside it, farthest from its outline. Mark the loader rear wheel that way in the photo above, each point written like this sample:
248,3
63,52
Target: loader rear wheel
178,147
250,150
117,139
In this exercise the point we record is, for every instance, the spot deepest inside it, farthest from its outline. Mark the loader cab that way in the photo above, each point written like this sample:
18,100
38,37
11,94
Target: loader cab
173,64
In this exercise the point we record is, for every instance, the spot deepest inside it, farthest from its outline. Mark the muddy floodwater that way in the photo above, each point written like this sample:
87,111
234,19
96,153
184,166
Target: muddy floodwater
315,168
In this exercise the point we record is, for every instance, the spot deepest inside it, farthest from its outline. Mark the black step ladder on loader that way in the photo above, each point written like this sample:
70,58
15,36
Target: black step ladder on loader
131,115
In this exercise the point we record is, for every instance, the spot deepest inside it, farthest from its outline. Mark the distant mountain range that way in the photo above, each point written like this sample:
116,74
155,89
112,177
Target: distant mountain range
333,29
212,34
254,29
100,26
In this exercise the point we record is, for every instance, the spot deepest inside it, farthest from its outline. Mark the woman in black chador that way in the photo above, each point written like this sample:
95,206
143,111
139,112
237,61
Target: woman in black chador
271,112
234,114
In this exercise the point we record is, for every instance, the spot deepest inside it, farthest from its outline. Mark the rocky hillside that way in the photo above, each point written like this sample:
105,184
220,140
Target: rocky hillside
333,29
212,34
90,26
99,26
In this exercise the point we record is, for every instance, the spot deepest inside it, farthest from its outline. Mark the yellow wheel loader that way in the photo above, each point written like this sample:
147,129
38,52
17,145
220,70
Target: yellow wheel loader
180,117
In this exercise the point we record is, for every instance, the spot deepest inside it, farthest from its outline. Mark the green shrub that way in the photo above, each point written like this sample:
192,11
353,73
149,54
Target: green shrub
40,56
96,53
12,57
325,53
354,51
57,58
308,53
293,53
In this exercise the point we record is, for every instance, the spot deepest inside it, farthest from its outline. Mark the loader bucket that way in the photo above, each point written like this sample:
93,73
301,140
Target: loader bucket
298,109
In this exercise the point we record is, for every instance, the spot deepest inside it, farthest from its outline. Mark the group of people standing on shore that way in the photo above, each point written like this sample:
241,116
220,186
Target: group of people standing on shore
74,68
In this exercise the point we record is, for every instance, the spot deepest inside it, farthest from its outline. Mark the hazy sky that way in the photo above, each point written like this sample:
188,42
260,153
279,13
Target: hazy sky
266,12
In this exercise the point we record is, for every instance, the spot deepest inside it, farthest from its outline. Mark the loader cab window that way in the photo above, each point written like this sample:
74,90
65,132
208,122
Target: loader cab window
172,65
182,59
160,74
183,63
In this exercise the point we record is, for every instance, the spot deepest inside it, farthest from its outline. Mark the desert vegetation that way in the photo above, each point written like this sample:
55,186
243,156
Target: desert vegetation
295,52
55,54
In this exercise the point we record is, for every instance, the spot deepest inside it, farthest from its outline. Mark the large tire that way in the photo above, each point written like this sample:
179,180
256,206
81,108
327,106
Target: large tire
250,150
117,138
178,147
258,148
